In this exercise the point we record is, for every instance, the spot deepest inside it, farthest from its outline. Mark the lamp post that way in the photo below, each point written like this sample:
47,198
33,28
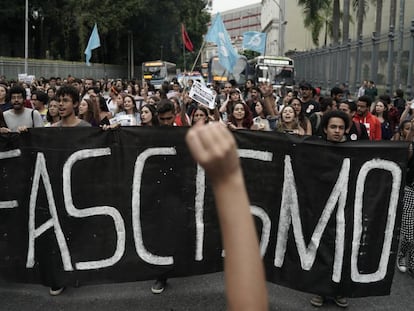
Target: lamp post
282,23
26,35
38,16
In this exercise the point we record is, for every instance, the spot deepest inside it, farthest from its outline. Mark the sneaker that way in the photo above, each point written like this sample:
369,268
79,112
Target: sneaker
402,264
56,291
341,301
317,301
158,287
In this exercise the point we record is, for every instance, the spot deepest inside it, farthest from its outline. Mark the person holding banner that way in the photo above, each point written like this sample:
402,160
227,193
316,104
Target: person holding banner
240,117
3,125
289,122
215,149
405,257
334,124
166,117
20,118
4,105
149,115
130,115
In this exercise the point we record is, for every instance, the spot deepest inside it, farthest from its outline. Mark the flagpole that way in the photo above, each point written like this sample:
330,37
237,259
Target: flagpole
198,55
183,50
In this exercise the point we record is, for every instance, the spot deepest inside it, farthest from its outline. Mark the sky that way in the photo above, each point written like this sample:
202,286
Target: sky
224,5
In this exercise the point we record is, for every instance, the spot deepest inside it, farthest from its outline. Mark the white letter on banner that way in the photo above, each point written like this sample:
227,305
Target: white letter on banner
7,155
392,211
199,211
266,226
136,207
93,211
41,171
257,211
289,213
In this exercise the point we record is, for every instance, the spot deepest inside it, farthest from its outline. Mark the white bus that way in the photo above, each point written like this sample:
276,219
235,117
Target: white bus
277,70
158,71
217,73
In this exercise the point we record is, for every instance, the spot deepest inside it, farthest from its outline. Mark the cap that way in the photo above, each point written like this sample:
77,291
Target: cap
305,85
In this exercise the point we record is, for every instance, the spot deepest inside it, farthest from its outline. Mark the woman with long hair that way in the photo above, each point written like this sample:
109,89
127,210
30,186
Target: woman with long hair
3,125
149,115
4,100
52,115
381,112
130,116
289,122
240,117
181,117
304,122
88,112
260,121
403,131
200,113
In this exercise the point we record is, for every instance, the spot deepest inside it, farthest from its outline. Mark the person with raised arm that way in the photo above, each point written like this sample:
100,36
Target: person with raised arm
215,149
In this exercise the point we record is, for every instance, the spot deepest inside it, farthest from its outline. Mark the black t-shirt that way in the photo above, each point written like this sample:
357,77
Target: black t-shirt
358,131
310,107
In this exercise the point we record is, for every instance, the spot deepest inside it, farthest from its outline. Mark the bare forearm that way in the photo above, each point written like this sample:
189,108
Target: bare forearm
244,273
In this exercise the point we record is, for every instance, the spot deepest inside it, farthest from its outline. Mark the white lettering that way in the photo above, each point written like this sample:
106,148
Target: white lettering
93,211
199,211
289,213
199,203
7,155
266,226
395,170
136,207
41,171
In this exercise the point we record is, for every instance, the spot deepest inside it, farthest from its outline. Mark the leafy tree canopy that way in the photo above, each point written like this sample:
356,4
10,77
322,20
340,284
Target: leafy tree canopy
60,29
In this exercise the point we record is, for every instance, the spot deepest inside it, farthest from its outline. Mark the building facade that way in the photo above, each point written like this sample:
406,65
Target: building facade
237,21
284,23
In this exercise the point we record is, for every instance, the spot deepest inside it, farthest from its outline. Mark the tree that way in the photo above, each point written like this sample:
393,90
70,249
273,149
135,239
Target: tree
346,21
67,25
336,18
313,20
250,54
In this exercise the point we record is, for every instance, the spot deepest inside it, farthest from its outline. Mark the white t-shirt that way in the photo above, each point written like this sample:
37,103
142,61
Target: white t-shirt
26,118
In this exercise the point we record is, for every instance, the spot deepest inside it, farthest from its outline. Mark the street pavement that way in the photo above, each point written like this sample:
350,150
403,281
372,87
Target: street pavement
203,292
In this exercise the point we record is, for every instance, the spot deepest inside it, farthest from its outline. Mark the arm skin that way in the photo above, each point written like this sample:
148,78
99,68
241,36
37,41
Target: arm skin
215,149
269,101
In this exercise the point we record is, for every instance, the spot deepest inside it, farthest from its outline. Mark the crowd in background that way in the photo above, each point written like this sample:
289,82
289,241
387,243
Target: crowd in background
296,110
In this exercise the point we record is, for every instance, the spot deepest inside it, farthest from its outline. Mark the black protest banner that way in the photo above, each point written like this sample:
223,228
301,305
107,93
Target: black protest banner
82,206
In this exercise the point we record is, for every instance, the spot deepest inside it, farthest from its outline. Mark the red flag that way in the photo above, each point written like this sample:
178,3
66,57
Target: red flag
186,39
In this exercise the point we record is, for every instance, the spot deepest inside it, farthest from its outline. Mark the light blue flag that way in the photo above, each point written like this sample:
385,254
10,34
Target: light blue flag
94,42
218,34
254,41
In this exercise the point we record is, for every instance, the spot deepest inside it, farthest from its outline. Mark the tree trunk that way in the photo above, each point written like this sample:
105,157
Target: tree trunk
378,18
336,19
345,21
360,16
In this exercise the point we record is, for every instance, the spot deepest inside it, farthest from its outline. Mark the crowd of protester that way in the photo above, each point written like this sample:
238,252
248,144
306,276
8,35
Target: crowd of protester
300,110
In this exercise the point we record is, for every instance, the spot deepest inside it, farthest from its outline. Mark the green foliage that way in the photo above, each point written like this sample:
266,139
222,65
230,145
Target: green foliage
63,30
250,54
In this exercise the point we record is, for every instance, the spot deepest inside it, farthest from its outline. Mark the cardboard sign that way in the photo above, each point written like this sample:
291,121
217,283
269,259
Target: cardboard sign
203,95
